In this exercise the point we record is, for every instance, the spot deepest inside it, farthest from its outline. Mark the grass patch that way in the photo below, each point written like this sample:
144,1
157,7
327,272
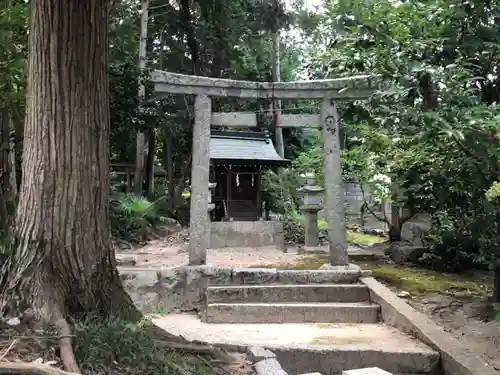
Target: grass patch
322,225
117,347
356,238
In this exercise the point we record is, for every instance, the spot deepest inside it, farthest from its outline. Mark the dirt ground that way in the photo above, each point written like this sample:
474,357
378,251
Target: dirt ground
468,319
162,254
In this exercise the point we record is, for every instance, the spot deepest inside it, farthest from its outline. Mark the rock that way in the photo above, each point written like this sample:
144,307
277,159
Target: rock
257,354
404,294
269,366
125,260
414,230
366,371
13,322
402,252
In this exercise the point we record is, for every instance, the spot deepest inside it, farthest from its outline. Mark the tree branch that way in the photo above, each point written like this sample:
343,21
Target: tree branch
30,369
365,204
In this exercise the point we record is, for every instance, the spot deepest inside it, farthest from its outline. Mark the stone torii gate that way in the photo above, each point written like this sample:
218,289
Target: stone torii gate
326,91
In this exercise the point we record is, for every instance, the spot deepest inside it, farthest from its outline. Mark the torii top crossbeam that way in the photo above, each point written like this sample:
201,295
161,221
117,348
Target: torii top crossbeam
349,88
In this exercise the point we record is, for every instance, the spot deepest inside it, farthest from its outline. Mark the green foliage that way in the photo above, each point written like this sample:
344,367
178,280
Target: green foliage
434,130
293,227
13,52
132,216
118,347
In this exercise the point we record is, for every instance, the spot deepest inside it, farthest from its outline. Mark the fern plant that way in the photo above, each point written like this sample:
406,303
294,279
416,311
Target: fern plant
132,216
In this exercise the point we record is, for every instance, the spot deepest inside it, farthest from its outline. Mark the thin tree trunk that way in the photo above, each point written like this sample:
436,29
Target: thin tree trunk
496,285
150,164
64,261
169,161
167,139
280,144
395,227
141,146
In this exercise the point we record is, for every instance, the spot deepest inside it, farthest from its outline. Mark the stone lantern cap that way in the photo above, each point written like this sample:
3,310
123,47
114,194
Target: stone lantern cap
311,189
309,177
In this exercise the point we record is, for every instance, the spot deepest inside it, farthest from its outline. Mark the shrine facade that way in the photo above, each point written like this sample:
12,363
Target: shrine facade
237,163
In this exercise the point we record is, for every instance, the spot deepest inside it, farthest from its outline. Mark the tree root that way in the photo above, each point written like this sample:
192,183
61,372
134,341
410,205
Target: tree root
180,343
30,369
66,348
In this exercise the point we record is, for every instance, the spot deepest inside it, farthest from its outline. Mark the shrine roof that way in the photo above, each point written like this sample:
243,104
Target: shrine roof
243,147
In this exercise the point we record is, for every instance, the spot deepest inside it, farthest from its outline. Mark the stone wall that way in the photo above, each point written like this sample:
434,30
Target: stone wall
176,288
184,288
246,234
353,203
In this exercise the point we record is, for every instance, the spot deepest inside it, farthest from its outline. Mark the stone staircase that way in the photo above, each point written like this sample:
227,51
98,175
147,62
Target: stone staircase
280,300
284,296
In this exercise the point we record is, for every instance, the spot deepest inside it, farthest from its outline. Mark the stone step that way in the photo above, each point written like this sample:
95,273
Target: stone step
256,276
325,348
288,293
336,360
291,313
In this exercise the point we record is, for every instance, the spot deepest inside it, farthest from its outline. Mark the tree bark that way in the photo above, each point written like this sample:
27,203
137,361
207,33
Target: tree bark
276,105
63,263
496,285
7,170
141,146
150,163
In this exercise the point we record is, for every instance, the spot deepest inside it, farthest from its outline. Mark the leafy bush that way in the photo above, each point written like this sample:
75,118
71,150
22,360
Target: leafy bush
451,248
293,227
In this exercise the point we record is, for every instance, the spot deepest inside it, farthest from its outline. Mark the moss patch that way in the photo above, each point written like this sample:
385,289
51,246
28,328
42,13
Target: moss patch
417,281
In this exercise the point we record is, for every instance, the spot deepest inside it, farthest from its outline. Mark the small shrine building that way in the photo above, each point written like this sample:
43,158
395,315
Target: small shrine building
237,161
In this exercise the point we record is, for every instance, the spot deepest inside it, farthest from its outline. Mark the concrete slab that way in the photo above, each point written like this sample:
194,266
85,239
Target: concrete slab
306,348
292,312
288,293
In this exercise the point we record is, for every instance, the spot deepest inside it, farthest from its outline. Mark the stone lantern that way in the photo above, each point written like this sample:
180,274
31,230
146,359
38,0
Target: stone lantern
312,203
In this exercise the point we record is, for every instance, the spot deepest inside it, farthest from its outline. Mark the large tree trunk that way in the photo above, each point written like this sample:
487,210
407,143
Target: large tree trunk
63,263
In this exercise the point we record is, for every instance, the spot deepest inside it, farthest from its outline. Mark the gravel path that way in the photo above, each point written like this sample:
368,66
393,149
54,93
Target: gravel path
163,254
